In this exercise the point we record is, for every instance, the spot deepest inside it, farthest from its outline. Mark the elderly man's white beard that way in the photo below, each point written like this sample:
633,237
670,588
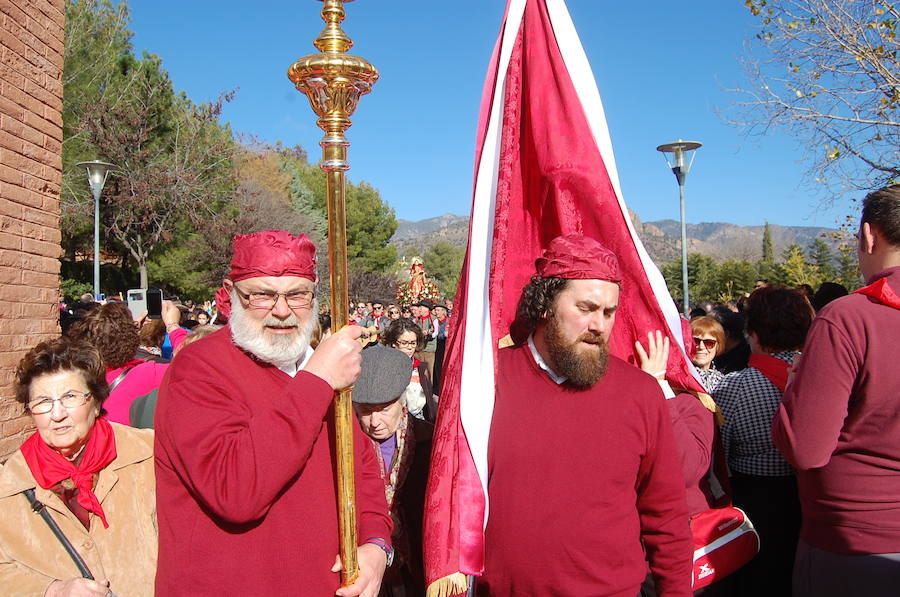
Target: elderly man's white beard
281,350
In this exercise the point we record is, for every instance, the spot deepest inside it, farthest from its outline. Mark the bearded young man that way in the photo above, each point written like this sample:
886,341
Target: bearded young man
583,471
244,425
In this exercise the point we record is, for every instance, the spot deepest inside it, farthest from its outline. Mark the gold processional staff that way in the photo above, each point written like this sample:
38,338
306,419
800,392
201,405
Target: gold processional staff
334,81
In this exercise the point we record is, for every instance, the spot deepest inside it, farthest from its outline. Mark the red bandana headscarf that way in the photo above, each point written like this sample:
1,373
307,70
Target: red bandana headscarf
577,257
49,467
268,253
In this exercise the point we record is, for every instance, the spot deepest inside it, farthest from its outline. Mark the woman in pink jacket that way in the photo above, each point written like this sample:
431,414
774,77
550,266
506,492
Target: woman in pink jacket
114,333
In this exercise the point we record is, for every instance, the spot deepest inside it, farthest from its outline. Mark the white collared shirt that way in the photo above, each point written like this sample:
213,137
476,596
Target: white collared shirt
299,365
557,379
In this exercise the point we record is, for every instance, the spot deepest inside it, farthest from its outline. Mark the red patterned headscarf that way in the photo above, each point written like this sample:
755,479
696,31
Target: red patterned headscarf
578,257
268,253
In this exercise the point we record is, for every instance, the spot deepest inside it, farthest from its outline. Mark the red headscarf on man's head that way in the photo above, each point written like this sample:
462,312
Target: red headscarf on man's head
272,253
577,257
269,253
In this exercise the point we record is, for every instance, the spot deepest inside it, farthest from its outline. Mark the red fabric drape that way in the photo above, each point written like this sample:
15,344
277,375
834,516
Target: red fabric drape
49,468
551,181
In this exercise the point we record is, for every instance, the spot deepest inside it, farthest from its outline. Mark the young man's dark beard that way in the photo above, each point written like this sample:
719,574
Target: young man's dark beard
580,366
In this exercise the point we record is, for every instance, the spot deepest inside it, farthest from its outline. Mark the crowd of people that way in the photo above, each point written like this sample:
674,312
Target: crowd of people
210,469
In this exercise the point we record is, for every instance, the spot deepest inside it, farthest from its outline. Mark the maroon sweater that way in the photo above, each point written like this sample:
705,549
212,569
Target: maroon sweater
839,426
694,430
577,480
245,478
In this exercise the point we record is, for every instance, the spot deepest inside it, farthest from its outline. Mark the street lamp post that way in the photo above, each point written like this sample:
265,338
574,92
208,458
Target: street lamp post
97,173
680,168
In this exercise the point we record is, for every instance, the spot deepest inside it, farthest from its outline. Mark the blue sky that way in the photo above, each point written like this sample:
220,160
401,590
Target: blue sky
662,69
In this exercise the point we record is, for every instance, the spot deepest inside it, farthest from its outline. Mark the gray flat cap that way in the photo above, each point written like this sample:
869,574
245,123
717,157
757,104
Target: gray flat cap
385,374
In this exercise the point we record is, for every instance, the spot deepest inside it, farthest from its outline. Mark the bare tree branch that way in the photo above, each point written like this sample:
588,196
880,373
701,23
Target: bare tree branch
830,77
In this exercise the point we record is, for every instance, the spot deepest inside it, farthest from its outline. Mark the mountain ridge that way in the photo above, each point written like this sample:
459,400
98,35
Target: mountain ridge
661,238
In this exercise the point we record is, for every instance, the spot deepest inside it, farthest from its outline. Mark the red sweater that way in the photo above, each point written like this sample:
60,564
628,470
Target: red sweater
839,426
694,430
577,480
245,478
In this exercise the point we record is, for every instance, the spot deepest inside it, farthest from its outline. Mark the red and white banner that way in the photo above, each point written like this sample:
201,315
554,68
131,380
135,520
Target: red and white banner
544,167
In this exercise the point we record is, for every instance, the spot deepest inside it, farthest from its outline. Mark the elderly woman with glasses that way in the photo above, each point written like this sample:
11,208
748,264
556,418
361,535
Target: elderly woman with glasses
406,336
94,478
709,337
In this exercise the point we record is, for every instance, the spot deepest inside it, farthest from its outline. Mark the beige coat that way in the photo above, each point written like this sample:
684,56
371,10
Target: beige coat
31,557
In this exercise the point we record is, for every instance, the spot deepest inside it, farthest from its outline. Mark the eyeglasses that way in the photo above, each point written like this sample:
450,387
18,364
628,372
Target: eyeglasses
266,300
393,312
709,343
69,401
407,344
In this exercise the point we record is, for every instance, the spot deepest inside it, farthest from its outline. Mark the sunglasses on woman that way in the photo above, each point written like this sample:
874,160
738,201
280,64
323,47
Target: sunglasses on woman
709,343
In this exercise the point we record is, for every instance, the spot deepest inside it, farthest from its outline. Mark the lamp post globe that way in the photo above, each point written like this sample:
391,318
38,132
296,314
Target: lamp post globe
676,154
97,173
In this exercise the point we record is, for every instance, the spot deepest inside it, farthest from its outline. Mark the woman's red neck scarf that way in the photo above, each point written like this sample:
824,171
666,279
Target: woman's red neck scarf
49,467
773,368
881,291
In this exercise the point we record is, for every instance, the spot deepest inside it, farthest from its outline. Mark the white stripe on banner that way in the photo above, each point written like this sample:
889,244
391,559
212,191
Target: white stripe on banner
476,401
586,87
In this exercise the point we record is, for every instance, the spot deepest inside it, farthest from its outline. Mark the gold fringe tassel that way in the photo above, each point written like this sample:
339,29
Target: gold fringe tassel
707,401
455,584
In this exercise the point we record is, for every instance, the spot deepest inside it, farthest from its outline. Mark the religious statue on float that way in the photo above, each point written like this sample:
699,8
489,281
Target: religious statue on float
418,287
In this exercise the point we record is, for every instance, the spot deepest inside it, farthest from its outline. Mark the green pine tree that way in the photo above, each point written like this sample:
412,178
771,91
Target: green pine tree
822,259
848,267
768,249
796,268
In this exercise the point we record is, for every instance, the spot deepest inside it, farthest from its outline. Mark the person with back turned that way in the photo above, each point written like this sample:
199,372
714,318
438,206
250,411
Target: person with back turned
838,426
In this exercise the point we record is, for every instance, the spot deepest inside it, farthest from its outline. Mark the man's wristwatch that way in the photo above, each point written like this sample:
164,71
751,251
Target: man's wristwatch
388,550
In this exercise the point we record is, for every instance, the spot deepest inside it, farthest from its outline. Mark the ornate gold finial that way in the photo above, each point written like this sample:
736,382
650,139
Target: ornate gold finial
333,39
333,81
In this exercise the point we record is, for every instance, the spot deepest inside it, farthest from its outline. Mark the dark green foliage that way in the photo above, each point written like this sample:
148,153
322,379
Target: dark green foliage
179,194
720,282
848,267
823,260
443,263
768,249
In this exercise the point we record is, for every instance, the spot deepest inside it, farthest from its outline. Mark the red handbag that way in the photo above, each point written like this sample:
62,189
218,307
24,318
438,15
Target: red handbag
724,537
724,540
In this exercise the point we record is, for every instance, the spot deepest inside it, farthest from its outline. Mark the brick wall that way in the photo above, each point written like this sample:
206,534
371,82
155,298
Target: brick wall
31,63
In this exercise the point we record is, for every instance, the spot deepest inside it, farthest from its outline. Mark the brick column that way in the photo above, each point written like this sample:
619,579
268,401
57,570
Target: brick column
31,64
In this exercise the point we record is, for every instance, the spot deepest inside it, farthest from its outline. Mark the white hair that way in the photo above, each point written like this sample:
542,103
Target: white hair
283,351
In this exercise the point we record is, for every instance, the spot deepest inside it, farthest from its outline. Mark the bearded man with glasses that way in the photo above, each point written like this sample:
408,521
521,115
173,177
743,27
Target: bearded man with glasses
245,473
